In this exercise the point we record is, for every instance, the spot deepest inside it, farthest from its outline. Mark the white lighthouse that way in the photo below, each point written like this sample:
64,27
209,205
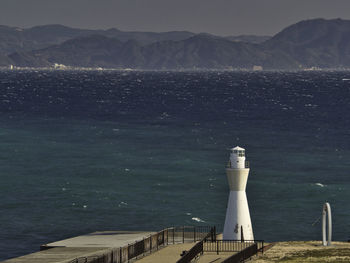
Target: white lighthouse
238,225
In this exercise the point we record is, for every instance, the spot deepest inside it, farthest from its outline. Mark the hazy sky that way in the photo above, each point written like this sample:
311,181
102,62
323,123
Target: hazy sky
221,17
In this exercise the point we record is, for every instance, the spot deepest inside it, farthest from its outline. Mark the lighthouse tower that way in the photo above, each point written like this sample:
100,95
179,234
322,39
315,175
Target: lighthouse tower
238,225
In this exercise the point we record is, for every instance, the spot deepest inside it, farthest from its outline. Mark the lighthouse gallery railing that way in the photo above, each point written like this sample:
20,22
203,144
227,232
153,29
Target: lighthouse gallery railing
246,165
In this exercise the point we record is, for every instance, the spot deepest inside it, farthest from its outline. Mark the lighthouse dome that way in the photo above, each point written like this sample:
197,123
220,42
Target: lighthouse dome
239,151
237,148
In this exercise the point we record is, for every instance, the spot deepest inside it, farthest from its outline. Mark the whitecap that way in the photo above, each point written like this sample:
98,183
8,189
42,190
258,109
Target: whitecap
197,219
319,184
122,204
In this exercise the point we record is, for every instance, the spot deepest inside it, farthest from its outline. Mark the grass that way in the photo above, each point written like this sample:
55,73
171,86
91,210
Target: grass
320,256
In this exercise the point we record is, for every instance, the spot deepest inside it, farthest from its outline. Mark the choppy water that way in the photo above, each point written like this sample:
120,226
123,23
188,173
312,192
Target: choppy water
87,151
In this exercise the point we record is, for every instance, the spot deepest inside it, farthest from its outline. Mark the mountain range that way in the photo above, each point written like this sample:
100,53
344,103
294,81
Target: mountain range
311,43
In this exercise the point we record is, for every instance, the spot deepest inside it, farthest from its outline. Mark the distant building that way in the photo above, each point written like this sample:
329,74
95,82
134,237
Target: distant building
312,69
257,68
59,66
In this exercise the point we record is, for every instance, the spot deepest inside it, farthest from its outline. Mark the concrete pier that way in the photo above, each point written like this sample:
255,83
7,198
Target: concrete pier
116,246
107,239
61,255
94,247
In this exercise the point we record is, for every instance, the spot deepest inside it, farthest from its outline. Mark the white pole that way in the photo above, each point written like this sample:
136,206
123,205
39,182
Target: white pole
326,210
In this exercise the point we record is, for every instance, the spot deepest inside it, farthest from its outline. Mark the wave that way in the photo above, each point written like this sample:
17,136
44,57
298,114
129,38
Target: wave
321,185
197,219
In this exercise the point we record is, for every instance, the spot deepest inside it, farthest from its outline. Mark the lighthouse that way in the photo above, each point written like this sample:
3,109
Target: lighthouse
238,225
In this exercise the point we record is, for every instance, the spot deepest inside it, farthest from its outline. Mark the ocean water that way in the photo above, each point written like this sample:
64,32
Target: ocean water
108,150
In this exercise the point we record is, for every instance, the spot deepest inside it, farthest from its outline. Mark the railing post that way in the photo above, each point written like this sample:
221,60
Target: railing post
194,234
183,234
150,244
217,247
144,246
128,252
243,254
173,235
262,247
157,240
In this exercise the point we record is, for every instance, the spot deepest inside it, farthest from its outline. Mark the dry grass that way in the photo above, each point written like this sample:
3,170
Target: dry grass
305,251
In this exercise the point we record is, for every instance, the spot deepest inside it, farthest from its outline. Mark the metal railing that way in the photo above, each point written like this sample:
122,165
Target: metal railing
243,255
90,259
183,234
206,236
152,243
230,245
246,164
192,253
198,248
147,245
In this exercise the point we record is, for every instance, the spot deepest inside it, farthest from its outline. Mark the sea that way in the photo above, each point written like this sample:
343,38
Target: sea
84,151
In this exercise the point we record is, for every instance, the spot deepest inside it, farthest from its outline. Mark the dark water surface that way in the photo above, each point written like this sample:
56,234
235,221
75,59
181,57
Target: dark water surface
87,151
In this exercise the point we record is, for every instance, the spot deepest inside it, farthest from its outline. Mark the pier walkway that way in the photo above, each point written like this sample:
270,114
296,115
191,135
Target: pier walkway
115,246
172,253
59,255
106,239
169,254
89,247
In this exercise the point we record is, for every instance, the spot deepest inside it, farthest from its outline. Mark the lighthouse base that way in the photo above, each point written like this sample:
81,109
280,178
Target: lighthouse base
238,225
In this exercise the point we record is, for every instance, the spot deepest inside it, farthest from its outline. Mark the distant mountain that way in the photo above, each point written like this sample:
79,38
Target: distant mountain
318,42
100,51
88,51
145,38
248,38
312,43
13,39
200,51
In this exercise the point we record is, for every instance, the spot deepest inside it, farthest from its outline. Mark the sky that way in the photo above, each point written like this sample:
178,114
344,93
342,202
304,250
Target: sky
220,17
